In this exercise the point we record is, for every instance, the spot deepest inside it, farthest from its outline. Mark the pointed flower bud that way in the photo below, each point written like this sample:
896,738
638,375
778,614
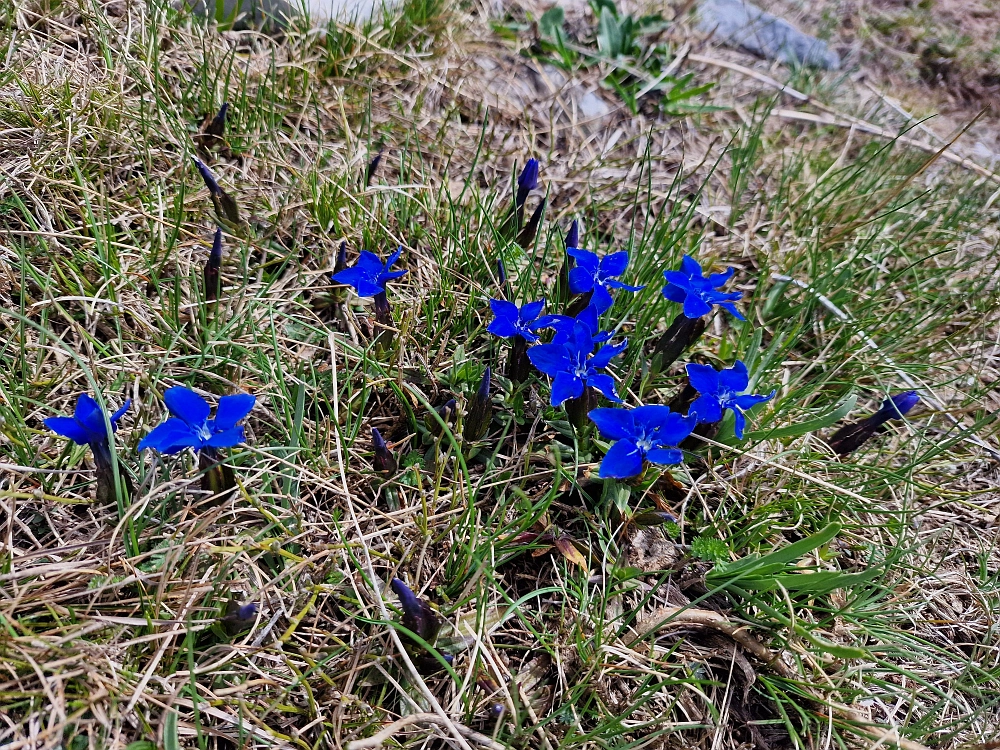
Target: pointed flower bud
418,617
384,462
851,437
480,411
213,268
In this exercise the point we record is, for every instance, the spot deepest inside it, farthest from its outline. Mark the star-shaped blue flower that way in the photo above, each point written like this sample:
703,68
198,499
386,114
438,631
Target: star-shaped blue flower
598,275
563,325
510,321
697,292
86,426
645,433
369,275
722,389
573,365
190,427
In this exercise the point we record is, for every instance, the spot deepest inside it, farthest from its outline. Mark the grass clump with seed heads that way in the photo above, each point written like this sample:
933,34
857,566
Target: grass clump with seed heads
382,508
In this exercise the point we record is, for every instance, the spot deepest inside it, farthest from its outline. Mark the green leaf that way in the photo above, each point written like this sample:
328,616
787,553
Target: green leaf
551,22
609,36
809,425
771,563
171,740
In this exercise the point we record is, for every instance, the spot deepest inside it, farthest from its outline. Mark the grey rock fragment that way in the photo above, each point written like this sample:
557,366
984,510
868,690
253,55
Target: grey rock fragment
742,24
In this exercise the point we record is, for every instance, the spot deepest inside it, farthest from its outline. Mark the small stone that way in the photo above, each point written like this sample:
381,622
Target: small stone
738,23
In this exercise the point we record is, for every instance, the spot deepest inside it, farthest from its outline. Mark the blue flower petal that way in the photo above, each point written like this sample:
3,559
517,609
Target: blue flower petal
369,264
739,423
614,424
749,401
706,408
607,353
731,309
120,413
503,309
170,437
676,429
393,258
601,300
580,281
549,358
503,327
68,427
690,267
695,306
585,260
898,405
717,280
623,460
187,405
665,456
615,284
227,438
530,311
606,385
564,386
89,414
734,379
368,289
614,264
674,293
350,276
703,378
232,409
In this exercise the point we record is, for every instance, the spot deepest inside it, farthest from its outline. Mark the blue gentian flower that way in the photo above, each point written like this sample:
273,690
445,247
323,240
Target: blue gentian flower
698,293
86,426
597,275
190,427
573,365
369,275
722,389
645,433
510,321
563,325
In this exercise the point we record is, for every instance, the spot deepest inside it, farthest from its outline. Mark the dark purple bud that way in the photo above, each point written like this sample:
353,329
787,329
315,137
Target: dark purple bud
383,313
683,332
654,518
418,617
501,272
373,167
385,462
528,179
527,235
218,124
897,406
208,177
480,411
341,263
447,412
213,268
852,436
573,235
238,617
